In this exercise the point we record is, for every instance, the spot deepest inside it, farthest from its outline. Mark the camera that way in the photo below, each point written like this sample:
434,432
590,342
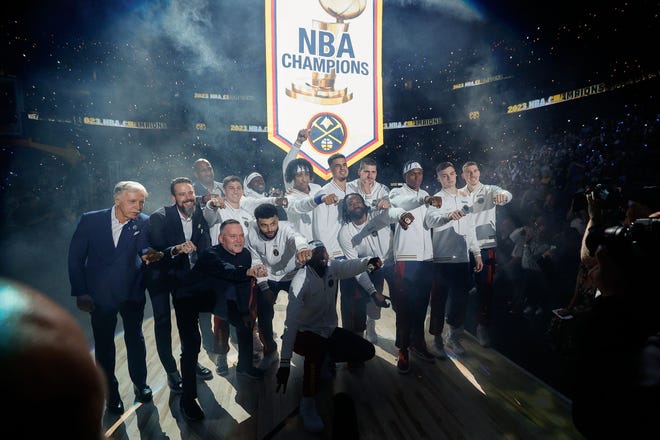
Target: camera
627,243
609,196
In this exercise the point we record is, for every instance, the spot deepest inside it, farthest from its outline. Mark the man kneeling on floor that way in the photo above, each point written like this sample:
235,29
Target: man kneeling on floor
311,325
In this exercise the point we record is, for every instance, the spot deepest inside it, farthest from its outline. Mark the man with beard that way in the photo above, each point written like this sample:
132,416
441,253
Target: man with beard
181,233
366,232
413,254
375,194
282,251
311,325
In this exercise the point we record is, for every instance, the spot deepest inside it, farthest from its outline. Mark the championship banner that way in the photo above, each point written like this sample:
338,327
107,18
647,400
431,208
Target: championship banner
324,73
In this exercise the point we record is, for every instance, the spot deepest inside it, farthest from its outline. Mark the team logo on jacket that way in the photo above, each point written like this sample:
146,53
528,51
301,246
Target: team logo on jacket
276,252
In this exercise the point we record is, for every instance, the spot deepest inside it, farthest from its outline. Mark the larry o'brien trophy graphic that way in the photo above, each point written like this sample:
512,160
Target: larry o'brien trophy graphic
321,90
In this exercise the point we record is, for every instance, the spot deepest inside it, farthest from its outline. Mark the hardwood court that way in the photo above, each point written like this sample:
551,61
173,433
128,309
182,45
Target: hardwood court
481,395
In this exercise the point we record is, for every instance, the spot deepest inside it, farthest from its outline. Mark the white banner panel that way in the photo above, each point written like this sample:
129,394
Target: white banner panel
324,73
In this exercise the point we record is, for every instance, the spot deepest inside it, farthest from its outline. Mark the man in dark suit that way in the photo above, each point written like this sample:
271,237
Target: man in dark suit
221,282
181,233
106,254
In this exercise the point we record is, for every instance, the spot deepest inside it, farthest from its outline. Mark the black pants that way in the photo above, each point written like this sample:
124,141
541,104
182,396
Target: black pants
160,303
412,282
451,283
341,346
187,312
266,312
104,324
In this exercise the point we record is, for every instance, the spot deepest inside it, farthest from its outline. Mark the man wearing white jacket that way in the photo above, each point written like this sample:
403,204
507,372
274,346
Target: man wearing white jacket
366,232
413,254
302,193
283,251
453,239
485,200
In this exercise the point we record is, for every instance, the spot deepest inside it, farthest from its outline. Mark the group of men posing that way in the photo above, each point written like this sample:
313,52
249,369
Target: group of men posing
227,250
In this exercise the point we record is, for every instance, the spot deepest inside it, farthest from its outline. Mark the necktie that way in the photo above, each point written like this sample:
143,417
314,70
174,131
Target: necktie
125,233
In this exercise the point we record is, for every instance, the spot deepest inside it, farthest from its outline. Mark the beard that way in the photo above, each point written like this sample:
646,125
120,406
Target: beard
318,263
357,214
188,211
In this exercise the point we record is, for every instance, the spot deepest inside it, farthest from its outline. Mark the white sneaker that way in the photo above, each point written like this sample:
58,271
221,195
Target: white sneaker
310,417
483,335
371,331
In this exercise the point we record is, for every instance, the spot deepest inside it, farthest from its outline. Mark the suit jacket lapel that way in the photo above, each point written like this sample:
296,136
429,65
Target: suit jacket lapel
174,220
106,237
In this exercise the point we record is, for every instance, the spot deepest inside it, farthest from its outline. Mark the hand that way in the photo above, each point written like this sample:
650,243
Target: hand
478,263
85,303
303,256
187,248
151,256
257,271
282,201
275,192
435,201
208,197
374,263
456,215
380,300
500,199
217,202
383,204
406,220
303,134
282,378
330,199
595,208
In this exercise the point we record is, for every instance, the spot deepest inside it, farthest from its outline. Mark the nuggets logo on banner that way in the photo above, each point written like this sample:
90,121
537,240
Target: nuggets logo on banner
327,133
324,73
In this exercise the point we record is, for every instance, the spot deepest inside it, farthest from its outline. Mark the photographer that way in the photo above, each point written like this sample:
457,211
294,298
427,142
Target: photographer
617,390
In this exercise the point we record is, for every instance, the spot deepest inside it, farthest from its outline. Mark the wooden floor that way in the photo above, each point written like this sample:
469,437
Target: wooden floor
481,395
